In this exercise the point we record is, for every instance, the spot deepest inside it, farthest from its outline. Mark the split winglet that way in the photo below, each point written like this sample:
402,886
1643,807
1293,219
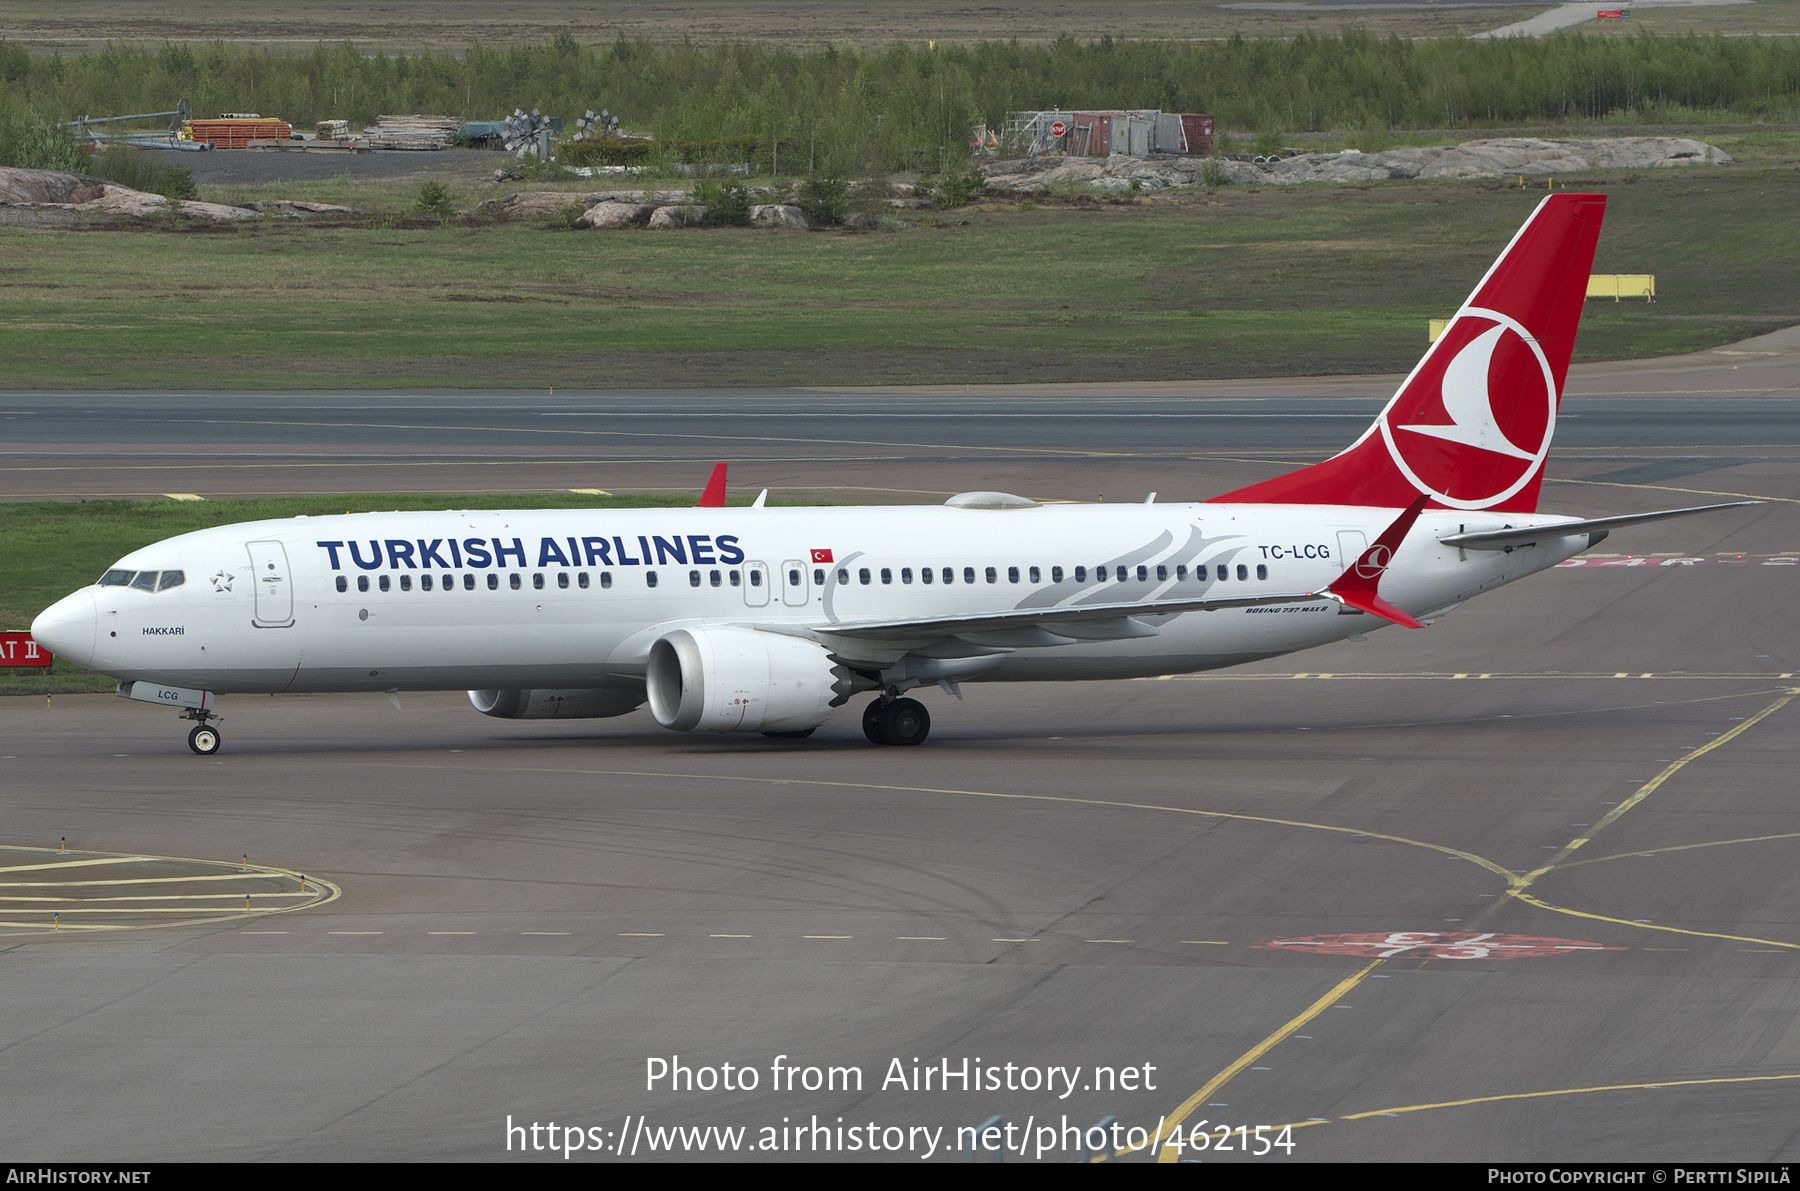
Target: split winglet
714,495
1357,586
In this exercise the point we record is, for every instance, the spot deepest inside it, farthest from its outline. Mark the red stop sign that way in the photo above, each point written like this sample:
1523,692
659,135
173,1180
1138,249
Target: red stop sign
1058,128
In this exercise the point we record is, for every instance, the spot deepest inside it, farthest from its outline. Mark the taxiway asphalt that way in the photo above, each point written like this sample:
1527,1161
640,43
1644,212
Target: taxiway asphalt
1520,886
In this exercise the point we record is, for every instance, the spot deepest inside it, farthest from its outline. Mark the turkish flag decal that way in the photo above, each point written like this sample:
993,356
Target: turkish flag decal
821,556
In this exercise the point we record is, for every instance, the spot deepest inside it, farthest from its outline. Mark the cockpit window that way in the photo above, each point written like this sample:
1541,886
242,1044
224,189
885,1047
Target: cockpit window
116,578
145,581
170,579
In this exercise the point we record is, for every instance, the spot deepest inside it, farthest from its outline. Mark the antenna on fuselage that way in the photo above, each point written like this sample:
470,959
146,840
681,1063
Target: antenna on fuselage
761,497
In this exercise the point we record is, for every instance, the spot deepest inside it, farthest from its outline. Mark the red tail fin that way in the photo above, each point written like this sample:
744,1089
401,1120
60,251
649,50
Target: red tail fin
1471,427
714,495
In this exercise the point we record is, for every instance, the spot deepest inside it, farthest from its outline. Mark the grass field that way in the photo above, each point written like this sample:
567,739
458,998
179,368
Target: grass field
1243,281
410,25
54,548
455,24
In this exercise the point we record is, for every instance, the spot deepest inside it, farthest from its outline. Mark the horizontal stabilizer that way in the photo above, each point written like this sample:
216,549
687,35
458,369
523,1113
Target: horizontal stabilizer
1509,538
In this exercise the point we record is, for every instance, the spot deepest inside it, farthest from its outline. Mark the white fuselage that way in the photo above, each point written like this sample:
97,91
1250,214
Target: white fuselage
575,598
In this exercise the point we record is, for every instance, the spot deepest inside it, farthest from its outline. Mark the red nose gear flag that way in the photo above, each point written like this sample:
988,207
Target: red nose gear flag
821,556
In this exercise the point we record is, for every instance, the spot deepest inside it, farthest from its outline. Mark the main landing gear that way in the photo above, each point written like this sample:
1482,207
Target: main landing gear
896,721
205,738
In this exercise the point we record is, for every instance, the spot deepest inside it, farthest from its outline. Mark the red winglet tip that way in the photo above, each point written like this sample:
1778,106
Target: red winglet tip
1374,605
714,495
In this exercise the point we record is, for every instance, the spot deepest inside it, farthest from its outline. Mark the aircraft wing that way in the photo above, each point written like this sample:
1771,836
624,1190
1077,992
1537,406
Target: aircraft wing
1074,622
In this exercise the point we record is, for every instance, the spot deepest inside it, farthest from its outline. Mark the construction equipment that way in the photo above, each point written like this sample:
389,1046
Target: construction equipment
172,139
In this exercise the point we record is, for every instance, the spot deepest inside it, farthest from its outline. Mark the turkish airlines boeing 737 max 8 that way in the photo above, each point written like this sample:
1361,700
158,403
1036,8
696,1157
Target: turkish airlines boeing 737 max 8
763,620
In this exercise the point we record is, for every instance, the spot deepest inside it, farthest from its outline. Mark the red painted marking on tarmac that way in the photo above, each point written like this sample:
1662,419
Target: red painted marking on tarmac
1419,944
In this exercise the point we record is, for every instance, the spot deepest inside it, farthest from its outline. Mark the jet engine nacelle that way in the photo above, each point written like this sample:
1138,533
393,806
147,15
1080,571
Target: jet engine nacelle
555,705
730,679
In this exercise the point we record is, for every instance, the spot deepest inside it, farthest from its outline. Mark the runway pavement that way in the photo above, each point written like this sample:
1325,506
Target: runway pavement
1733,408
1520,886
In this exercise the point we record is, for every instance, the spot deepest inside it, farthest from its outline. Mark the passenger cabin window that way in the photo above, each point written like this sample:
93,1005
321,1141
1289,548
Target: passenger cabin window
1243,571
1223,573
949,574
969,575
343,584
424,582
863,576
406,583
1012,574
1262,570
693,578
513,581
1056,575
906,574
1034,575
382,582
581,580
715,578
605,579
468,583
650,578
1162,573
993,576
362,583
818,577
1081,574
537,581
887,574
793,576
562,579
1181,571
493,583
926,574
756,578
736,578
1143,573
843,574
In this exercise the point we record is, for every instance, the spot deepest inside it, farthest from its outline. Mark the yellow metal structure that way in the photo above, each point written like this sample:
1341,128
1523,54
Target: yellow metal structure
1600,285
1622,285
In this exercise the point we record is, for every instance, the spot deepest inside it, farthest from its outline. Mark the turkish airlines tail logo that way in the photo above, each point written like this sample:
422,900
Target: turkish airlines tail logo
1470,402
1471,426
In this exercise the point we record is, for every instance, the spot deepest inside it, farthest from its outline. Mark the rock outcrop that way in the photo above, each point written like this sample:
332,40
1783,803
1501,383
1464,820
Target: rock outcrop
777,215
611,214
665,217
1495,158
48,198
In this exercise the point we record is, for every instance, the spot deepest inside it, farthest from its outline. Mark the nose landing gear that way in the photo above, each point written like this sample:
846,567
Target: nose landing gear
204,739
896,721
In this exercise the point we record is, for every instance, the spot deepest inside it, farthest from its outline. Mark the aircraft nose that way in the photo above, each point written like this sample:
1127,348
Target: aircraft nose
66,628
